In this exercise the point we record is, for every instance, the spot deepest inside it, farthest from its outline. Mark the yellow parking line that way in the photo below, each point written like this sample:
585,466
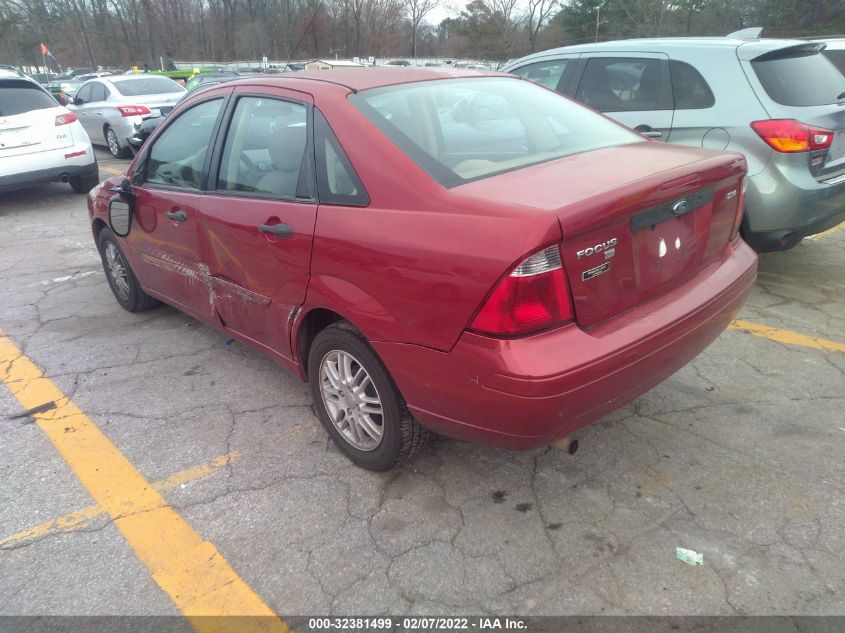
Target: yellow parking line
81,518
786,336
111,170
828,232
199,581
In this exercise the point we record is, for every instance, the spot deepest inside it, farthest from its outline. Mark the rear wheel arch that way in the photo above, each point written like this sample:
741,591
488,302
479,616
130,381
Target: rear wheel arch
312,323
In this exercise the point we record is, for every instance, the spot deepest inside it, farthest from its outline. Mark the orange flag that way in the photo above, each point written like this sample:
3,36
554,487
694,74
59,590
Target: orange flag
44,49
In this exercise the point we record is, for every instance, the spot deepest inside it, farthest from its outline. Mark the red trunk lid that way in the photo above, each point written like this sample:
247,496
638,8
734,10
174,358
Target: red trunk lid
637,220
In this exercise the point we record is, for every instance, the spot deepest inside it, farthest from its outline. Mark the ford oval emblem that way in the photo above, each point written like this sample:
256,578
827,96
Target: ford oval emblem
680,207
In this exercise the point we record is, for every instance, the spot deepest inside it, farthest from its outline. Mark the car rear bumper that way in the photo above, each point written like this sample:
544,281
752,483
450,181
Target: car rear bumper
50,166
527,392
785,204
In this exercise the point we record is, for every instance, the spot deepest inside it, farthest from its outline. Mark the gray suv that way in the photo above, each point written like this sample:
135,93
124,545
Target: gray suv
781,103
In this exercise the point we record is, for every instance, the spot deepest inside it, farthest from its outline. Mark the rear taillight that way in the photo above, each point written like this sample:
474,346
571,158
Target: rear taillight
133,110
534,296
790,136
740,207
66,119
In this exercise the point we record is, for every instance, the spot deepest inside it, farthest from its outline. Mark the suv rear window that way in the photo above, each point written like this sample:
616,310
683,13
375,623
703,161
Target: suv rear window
17,97
146,86
799,76
459,130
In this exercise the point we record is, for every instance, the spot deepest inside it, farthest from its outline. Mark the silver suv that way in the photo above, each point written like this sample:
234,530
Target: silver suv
781,103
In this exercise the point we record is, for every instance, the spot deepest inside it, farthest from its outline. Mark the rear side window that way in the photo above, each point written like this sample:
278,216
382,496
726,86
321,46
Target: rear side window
800,76
147,86
837,58
17,97
265,148
690,90
547,73
612,84
336,179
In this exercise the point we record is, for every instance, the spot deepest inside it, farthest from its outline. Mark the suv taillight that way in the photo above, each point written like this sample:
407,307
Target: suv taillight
790,136
65,119
533,296
133,110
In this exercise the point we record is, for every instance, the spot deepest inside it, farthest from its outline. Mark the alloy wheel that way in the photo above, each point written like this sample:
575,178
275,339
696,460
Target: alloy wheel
352,400
114,145
116,269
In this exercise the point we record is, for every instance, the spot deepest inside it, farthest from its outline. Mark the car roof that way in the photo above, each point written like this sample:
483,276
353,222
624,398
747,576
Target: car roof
750,48
355,79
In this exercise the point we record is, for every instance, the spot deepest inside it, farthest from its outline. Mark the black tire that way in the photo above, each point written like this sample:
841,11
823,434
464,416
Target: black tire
84,184
115,148
402,436
132,297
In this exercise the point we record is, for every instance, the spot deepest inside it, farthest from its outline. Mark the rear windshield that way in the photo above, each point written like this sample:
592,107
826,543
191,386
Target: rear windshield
837,58
17,97
146,86
459,130
805,79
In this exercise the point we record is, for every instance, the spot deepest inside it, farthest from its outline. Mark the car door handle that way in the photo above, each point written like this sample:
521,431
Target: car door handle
279,230
177,216
647,130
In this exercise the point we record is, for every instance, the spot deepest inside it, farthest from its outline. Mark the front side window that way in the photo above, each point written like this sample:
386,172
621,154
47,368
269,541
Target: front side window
460,130
98,92
690,90
547,73
178,155
614,84
799,76
265,147
84,94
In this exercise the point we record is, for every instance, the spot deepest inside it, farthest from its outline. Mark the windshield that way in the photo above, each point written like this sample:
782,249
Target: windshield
806,78
147,86
460,130
17,97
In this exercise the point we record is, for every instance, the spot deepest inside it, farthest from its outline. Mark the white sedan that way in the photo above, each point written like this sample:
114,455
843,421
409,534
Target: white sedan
41,141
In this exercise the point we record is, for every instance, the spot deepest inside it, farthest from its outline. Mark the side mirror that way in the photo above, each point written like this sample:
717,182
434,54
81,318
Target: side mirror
120,216
77,101
120,209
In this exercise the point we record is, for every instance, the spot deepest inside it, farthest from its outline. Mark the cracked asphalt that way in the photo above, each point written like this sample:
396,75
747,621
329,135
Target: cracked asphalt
738,456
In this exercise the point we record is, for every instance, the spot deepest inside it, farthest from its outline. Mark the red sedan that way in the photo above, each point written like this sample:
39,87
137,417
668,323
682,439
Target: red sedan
459,252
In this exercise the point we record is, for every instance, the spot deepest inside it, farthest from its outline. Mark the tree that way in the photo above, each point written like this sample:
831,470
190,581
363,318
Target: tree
539,13
416,10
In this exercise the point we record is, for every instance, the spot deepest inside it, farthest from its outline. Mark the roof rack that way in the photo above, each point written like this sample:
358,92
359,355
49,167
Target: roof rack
752,33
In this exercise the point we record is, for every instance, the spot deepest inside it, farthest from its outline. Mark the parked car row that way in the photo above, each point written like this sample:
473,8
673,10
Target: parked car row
777,102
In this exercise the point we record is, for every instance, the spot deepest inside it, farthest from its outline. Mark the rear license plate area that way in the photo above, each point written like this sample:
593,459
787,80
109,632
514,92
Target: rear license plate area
668,239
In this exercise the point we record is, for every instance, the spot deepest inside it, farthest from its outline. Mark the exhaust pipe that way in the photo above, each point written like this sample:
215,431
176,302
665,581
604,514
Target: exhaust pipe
64,178
566,444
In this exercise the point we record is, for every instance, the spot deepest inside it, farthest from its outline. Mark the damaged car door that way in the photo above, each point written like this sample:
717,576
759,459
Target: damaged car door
259,214
168,191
